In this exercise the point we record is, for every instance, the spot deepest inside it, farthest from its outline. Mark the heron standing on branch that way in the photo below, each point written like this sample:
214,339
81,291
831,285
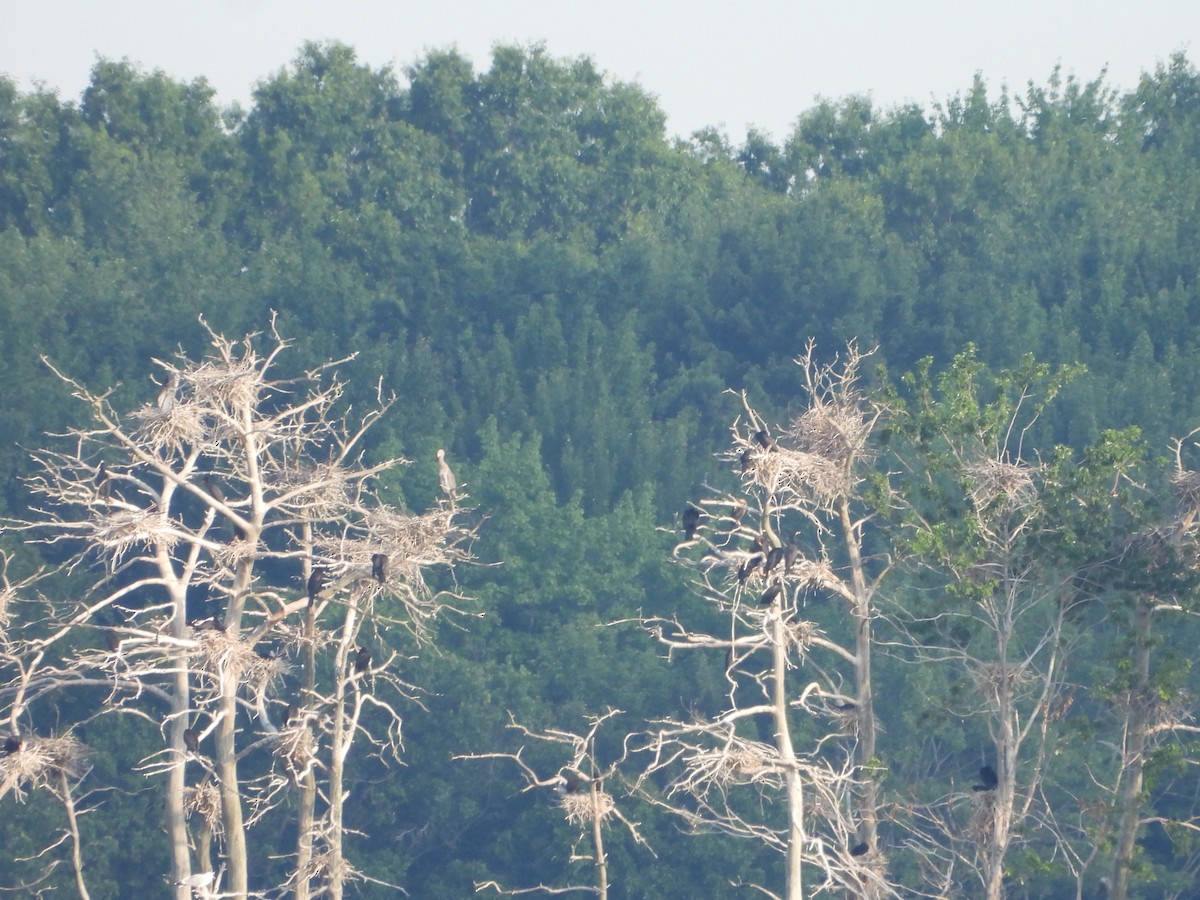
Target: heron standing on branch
446,479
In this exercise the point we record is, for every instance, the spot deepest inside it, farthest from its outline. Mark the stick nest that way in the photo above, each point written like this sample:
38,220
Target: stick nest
995,484
584,806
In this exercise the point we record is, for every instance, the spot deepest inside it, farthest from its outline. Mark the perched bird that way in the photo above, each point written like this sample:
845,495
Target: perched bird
316,583
166,396
747,568
691,521
379,567
103,482
790,555
746,460
860,849
191,740
988,776
774,557
362,661
214,488
573,781
12,744
762,437
446,480
740,510
292,711
770,594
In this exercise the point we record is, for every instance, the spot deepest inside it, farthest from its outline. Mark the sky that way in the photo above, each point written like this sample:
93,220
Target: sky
724,64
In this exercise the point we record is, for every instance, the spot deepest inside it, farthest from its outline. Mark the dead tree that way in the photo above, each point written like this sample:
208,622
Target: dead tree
583,787
192,508
793,534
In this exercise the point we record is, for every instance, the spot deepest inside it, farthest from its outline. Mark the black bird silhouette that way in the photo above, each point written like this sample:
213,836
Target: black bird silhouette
763,438
860,849
770,594
790,555
114,641
316,583
988,776
12,744
191,740
379,567
746,460
574,781
691,521
774,557
103,482
362,661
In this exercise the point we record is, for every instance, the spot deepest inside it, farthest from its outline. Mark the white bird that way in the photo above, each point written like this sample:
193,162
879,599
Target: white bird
446,477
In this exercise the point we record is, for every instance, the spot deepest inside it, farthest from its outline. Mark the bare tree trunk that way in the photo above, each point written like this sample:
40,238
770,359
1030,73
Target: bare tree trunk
181,701
598,842
340,747
1134,753
305,816
787,760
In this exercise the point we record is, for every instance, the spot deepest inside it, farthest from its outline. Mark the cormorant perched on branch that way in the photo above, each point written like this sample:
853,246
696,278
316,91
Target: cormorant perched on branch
691,521
446,480
214,488
988,776
762,437
379,567
102,481
790,555
774,557
191,740
316,583
746,460
770,594
860,849
573,781
362,661
12,744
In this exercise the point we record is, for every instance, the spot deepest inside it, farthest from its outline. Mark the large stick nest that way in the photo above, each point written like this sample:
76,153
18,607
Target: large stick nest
996,484
42,762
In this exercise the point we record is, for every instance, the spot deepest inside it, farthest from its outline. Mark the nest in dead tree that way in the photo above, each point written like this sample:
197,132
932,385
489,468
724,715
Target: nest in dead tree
320,489
995,484
298,749
121,531
42,762
230,553
835,432
221,653
204,802
989,677
1186,485
583,807
183,423
740,763
801,633
806,573
412,543
809,475
226,384
983,815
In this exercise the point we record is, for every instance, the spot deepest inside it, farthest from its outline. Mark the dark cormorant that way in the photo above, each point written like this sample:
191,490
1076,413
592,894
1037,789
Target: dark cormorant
746,460
691,521
747,567
762,437
379,567
114,641
988,776
12,744
790,555
774,557
316,583
103,482
860,849
362,661
214,488
770,594
191,740
574,781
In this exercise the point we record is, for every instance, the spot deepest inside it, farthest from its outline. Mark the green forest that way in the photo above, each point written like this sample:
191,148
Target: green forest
815,518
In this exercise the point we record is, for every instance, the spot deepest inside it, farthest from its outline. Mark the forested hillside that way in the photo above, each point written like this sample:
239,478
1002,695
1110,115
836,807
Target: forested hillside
578,309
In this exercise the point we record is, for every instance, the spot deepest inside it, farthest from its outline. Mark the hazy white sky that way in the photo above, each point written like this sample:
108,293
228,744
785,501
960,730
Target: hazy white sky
709,63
